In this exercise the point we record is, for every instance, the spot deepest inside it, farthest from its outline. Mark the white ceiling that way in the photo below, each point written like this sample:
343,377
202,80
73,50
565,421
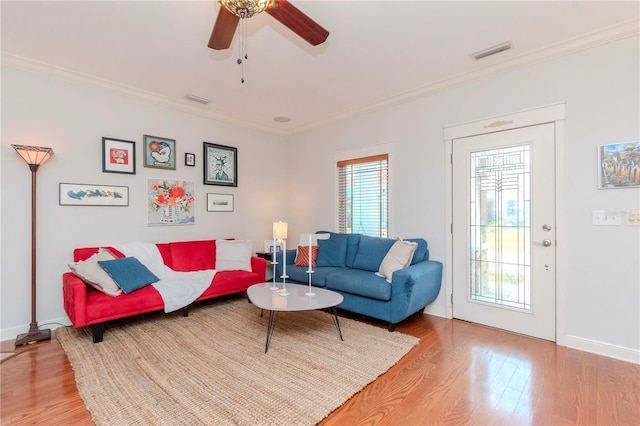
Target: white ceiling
377,52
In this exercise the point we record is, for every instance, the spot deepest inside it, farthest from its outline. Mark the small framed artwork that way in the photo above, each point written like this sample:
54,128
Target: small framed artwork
118,156
269,247
189,159
78,194
219,202
159,153
220,165
619,165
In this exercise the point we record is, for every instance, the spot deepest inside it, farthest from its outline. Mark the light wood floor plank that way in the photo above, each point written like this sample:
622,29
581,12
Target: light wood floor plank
459,374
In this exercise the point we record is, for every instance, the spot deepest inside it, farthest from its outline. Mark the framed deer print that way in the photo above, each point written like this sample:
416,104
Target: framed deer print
220,165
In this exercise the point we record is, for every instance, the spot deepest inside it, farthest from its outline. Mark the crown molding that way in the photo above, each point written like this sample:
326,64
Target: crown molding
607,35
587,41
85,80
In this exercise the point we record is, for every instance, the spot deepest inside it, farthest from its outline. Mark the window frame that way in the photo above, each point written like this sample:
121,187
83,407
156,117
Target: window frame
365,152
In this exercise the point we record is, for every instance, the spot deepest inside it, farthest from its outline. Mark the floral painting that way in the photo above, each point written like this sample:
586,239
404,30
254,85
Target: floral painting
170,202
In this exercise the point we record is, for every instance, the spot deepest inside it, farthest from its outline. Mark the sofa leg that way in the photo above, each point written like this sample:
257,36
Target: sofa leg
185,311
97,331
392,328
421,311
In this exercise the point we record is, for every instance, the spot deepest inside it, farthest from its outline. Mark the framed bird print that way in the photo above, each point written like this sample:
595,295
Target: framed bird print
220,165
159,153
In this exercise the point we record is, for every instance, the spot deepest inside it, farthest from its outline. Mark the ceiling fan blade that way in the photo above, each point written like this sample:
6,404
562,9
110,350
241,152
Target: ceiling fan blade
298,22
223,30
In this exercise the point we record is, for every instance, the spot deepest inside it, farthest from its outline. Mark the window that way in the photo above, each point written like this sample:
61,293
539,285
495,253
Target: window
363,195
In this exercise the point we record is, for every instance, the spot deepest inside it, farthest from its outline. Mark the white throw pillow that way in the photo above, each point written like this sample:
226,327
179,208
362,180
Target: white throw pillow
90,272
304,240
233,255
398,257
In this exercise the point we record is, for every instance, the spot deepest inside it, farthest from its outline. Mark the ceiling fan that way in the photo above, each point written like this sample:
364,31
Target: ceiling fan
231,11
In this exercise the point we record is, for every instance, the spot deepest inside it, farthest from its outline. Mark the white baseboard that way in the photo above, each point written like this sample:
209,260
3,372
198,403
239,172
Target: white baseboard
52,324
435,310
605,349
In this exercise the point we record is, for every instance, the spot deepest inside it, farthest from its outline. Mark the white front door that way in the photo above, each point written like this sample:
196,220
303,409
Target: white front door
504,230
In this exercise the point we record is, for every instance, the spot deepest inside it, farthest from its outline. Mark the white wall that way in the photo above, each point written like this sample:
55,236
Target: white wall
600,87
38,110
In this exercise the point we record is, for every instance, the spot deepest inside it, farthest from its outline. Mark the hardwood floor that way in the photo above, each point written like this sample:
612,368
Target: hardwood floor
459,373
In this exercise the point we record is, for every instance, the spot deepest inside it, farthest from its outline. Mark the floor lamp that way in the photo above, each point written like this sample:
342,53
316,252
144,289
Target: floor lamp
35,156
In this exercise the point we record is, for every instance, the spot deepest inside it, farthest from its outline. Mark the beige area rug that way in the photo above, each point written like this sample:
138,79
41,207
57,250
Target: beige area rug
210,368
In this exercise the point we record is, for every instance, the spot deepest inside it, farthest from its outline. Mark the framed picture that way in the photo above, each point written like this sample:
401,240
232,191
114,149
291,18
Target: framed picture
220,165
118,156
189,159
170,202
159,153
269,247
78,194
619,165
219,202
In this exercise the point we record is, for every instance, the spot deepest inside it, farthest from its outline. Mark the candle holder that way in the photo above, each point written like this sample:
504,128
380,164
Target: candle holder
310,270
310,293
274,263
284,276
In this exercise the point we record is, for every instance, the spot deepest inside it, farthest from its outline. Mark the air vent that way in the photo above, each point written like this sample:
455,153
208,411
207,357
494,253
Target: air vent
492,50
198,99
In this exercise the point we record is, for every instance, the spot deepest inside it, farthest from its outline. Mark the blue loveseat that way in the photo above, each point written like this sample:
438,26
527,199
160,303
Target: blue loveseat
347,264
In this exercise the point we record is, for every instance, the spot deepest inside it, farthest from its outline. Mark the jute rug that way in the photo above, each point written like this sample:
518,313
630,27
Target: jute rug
210,368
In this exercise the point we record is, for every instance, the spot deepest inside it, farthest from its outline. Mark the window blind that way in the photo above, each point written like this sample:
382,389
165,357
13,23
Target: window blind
363,192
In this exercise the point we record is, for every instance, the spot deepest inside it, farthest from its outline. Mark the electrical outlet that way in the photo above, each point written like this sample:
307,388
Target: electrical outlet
632,218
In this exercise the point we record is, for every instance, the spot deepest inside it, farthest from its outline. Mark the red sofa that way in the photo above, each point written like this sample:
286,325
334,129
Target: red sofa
87,306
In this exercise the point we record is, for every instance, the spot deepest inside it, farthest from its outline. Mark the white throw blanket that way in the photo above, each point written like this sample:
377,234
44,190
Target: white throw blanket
177,289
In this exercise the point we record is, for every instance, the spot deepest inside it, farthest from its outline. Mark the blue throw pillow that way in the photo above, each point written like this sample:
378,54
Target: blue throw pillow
332,252
128,273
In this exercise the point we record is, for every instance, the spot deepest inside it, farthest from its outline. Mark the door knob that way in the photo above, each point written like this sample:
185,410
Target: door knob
545,243
546,228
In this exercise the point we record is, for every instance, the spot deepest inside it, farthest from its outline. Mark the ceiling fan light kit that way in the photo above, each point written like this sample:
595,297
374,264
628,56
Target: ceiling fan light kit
245,8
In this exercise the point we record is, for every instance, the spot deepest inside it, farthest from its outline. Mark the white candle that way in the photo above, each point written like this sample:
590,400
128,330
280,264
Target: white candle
310,262
284,259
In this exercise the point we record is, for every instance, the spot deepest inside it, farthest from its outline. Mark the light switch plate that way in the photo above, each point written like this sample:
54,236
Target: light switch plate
606,218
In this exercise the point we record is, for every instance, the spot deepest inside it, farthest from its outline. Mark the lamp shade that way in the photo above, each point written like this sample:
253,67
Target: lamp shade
33,155
280,230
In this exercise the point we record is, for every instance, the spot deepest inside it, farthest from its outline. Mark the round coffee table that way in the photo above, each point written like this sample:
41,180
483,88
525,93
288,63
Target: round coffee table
274,301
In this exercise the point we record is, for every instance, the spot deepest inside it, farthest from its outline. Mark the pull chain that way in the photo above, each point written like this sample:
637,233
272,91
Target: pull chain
242,47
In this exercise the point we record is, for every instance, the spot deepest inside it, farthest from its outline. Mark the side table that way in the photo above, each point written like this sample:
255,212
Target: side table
267,256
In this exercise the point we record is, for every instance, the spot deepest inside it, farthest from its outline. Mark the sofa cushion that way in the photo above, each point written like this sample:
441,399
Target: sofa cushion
422,250
193,255
128,273
332,252
296,273
353,240
362,283
233,255
371,252
302,256
90,272
398,257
